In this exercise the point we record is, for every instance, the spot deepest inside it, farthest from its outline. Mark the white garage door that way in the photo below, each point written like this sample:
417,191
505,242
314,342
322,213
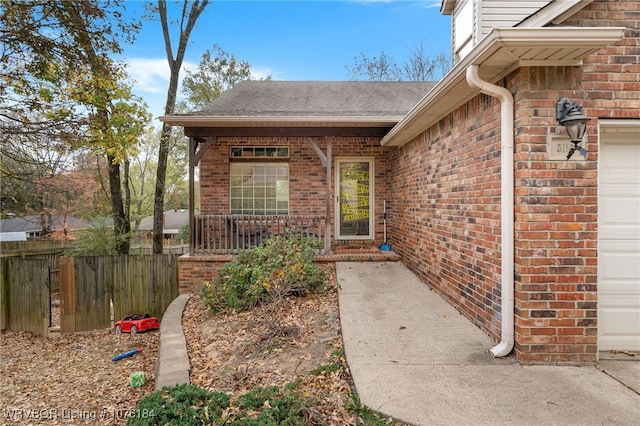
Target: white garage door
619,236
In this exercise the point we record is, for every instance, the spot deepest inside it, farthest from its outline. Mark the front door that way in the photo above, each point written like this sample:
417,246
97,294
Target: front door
354,206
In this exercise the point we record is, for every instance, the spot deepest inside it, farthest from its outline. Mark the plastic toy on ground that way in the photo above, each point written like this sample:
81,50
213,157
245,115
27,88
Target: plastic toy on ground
137,379
136,323
126,354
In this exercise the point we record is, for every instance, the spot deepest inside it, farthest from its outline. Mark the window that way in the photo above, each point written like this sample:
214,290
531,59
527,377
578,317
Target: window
463,31
259,188
259,151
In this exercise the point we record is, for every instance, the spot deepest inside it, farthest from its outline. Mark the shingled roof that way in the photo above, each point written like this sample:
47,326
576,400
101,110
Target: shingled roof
299,101
318,98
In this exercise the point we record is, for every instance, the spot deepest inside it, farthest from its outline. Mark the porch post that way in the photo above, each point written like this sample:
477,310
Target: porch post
326,163
327,221
192,187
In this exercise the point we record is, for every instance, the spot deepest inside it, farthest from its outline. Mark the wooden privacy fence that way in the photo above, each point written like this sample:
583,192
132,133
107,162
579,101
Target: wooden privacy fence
92,288
24,295
91,285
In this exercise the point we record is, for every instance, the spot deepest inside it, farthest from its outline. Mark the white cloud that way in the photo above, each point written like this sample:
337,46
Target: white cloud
431,4
261,72
151,75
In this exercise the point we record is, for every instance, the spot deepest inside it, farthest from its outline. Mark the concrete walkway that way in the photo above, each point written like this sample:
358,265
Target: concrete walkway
173,359
413,357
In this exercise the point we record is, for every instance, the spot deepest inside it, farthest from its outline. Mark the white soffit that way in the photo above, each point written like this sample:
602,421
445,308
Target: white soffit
500,52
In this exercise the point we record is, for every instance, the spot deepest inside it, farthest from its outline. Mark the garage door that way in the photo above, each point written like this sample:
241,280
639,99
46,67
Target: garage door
619,236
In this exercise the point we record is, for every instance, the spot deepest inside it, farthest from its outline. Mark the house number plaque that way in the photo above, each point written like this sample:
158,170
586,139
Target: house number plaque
558,147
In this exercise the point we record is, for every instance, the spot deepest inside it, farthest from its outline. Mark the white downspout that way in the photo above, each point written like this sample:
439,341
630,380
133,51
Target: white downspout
506,200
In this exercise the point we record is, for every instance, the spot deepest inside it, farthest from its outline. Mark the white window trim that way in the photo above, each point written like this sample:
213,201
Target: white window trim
254,164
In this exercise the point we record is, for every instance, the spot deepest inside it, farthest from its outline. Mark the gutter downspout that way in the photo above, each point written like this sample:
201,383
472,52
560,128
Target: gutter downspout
506,200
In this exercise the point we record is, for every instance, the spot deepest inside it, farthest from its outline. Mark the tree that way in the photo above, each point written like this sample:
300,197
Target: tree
381,68
190,12
217,72
62,83
418,67
142,169
39,178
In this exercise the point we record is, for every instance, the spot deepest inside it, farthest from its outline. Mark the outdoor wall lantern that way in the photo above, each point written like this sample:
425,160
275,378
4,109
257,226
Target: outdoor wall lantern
569,114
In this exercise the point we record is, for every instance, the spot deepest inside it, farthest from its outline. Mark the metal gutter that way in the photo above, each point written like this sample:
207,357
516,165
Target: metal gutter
506,207
500,52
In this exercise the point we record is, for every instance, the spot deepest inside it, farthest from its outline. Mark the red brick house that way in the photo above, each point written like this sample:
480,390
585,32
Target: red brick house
539,251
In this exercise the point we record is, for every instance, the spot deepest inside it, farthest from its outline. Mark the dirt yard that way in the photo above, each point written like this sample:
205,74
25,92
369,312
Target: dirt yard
296,340
71,379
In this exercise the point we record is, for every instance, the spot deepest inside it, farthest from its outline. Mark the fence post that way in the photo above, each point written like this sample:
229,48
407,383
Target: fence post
67,295
4,294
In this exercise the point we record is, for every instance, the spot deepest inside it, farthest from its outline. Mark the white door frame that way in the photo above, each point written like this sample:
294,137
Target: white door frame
358,197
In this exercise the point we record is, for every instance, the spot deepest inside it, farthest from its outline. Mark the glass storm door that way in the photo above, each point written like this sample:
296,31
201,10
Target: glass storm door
354,207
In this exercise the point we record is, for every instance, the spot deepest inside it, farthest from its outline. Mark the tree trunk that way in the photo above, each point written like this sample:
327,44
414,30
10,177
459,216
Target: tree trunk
196,9
121,225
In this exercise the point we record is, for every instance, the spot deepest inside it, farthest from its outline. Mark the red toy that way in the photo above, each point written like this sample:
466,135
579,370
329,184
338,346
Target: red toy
136,323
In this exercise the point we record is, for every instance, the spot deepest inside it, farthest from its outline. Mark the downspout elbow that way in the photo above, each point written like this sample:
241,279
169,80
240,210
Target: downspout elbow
507,201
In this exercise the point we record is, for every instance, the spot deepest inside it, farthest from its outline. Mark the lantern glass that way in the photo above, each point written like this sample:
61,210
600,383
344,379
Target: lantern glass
576,128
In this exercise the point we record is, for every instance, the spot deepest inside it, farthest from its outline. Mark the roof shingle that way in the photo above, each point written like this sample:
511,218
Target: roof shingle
266,98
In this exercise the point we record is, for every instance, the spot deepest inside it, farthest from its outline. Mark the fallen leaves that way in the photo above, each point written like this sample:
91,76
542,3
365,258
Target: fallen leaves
297,340
71,379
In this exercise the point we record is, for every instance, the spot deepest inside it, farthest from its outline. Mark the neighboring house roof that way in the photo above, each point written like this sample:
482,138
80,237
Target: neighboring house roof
31,223
20,224
308,103
29,226
172,222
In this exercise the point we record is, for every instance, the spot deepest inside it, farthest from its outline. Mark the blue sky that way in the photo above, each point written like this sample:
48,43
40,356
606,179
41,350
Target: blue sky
291,40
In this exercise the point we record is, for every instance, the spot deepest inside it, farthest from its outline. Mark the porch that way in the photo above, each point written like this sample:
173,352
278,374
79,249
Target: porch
216,239
220,234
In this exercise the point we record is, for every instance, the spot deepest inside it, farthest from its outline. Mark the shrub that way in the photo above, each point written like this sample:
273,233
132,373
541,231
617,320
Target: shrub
183,404
281,267
188,404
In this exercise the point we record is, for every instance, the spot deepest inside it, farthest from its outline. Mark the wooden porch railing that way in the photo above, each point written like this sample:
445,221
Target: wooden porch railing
222,234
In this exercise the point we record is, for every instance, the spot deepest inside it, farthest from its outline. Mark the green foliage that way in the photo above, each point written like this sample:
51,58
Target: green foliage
188,404
327,368
275,406
218,71
364,415
282,267
99,240
183,404
183,232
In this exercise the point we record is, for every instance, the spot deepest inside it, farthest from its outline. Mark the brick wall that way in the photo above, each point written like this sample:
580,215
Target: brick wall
194,270
307,178
556,201
445,214
307,189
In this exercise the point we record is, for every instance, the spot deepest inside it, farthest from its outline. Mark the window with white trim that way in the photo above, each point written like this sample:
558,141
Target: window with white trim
463,31
259,188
